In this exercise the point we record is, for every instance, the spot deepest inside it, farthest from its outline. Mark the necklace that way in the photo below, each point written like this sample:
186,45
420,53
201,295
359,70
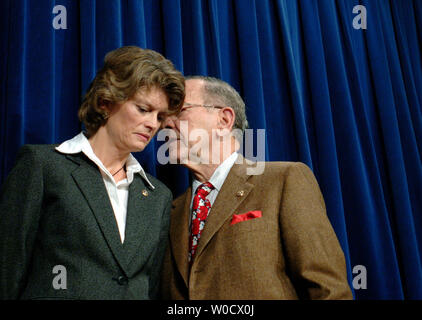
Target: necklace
118,171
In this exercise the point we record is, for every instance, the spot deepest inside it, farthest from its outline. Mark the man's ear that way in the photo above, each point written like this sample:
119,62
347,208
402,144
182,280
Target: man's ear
226,118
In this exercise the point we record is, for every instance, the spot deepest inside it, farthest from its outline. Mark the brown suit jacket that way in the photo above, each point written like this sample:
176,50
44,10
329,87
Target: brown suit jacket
291,252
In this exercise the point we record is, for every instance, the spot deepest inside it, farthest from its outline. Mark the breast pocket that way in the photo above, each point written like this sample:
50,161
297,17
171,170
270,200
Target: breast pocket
249,222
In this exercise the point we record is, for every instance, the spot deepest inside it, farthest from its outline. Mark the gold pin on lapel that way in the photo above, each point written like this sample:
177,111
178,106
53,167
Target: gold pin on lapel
145,193
240,193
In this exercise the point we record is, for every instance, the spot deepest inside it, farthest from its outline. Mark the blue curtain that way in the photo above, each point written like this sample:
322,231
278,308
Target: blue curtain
345,101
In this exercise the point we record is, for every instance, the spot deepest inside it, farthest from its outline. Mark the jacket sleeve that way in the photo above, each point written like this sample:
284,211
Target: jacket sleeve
314,256
20,210
172,285
160,251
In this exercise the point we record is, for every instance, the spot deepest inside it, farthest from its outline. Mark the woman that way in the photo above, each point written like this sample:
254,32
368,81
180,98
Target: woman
83,220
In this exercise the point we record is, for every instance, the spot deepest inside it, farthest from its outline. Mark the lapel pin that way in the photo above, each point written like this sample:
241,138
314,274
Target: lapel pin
145,193
240,193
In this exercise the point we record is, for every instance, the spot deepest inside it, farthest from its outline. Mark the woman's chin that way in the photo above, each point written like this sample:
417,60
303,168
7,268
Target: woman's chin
138,147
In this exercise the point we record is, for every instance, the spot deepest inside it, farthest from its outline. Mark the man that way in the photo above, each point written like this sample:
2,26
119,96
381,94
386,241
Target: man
237,235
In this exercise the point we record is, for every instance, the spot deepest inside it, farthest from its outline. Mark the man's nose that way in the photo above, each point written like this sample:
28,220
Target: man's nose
169,122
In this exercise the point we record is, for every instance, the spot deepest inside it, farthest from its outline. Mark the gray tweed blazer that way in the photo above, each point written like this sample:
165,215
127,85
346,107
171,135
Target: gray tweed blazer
55,211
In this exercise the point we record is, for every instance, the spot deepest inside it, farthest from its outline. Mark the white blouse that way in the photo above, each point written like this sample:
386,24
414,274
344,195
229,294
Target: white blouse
117,192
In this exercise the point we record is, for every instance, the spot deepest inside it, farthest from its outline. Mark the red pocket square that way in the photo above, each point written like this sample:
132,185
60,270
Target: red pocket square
246,216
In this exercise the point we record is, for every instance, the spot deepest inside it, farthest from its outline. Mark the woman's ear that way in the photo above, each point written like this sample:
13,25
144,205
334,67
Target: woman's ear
103,104
105,108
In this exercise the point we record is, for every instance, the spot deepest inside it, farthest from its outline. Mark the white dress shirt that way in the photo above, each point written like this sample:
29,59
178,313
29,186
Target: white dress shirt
217,179
117,192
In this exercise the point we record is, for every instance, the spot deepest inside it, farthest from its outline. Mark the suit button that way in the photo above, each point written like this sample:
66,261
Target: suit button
122,280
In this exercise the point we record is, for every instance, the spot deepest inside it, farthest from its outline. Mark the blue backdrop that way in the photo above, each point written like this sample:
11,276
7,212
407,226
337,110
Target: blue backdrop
345,101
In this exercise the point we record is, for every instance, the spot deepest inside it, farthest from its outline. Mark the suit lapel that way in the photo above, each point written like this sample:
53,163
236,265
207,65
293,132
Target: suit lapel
179,232
224,206
226,203
90,182
140,221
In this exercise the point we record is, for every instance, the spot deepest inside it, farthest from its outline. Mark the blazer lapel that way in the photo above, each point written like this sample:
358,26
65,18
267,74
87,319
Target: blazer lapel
141,213
90,182
226,203
179,232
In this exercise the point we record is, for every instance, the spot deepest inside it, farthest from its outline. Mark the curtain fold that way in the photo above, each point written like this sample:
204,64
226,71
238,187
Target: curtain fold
345,101
325,159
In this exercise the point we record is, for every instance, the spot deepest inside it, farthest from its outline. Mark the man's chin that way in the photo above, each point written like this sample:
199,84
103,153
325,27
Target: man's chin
176,152
188,161
175,158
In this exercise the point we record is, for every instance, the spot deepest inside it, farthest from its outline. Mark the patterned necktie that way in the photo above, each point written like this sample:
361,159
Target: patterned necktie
200,208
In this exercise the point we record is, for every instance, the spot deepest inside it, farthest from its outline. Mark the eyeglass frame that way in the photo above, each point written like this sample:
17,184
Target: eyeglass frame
193,105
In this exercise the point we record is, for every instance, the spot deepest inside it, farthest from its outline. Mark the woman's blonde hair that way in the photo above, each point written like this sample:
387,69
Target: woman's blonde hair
125,71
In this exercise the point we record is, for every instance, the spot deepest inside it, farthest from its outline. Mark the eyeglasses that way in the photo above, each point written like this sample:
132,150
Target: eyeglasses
187,106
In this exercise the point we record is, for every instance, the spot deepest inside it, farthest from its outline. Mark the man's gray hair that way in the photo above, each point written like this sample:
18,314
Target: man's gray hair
220,92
